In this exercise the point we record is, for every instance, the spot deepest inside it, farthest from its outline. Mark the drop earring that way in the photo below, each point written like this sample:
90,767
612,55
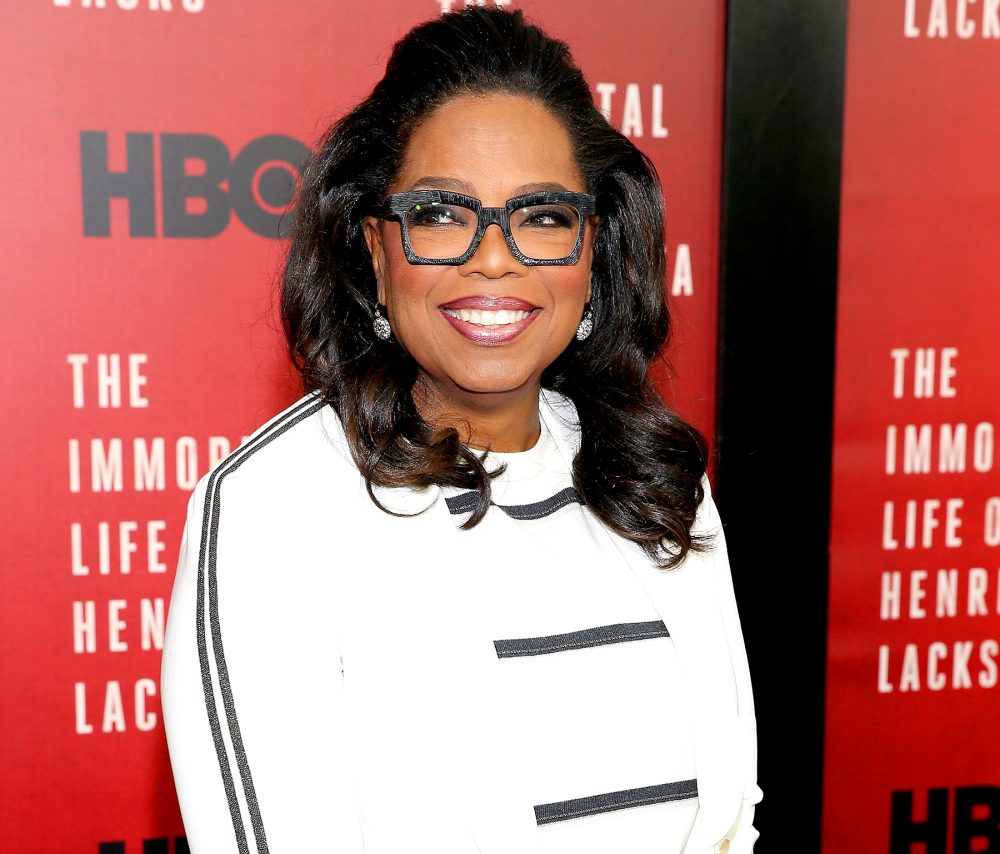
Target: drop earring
586,325
380,323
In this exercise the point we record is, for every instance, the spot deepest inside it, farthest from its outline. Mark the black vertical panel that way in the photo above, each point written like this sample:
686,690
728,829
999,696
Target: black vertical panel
780,207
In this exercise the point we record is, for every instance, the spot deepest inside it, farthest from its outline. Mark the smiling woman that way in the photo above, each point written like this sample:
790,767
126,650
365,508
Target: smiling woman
526,640
480,364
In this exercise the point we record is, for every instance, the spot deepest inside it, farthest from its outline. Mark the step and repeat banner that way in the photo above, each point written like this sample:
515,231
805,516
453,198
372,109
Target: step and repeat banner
913,703
149,157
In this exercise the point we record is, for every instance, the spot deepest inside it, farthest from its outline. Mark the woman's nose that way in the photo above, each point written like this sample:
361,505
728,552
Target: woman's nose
493,257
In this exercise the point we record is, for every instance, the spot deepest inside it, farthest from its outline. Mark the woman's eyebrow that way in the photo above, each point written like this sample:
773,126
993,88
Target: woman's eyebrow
437,182
440,182
539,187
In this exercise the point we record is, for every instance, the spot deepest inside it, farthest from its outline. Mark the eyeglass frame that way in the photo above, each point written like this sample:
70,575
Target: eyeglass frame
397,205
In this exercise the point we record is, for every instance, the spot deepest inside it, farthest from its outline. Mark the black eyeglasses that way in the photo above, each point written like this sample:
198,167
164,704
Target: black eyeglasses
441,227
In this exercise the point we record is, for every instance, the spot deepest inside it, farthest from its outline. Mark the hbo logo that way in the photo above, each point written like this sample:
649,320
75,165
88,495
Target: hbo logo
200,184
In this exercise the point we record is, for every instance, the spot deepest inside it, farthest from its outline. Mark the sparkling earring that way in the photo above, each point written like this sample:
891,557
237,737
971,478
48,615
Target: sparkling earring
380,323
586,325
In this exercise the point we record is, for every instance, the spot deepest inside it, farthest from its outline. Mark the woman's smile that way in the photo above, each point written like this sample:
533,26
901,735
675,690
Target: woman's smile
490,321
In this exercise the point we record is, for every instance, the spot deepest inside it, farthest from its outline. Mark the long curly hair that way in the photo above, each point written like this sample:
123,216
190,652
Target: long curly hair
640,466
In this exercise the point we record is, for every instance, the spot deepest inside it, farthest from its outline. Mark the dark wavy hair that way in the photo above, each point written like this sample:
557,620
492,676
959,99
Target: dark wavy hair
639,467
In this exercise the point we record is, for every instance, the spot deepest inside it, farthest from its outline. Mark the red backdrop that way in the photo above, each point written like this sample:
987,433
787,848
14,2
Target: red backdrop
912,705
149,149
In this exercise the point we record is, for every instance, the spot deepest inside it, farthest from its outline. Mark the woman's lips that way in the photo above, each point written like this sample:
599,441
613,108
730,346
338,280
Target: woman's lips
489,320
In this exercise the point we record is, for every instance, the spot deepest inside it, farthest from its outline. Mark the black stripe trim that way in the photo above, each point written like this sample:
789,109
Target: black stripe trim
207,563
625,799
465,503
598,636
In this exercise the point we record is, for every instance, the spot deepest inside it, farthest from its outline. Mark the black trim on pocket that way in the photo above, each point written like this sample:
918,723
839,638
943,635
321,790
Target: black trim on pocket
625,799
582,639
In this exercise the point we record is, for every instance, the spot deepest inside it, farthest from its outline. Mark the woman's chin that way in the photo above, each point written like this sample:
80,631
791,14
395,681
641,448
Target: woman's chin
503,384
498,388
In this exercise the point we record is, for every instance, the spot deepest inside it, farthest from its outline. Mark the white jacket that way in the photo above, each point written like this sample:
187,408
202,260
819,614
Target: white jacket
288,569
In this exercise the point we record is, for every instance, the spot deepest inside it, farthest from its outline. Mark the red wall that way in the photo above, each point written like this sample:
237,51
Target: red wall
148,323
912,704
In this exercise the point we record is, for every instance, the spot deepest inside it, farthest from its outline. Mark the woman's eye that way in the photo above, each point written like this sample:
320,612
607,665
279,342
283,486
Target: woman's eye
436,214
548,217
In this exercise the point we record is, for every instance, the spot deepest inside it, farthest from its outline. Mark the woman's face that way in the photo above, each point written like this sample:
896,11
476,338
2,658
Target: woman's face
492,148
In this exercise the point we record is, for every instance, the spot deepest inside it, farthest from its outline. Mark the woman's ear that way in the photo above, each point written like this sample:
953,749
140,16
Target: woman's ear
372,229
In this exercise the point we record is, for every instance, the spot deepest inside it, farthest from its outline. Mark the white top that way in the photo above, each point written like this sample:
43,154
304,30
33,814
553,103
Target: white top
601,707
339,679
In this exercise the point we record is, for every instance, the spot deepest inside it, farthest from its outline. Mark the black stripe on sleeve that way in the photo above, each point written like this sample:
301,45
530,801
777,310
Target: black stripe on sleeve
625,799
207,567
599,636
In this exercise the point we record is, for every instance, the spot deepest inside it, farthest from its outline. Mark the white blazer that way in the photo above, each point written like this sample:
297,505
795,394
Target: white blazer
317,694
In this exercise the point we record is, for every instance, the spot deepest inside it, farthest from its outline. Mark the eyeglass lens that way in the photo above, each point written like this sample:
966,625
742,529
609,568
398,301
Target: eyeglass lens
543,232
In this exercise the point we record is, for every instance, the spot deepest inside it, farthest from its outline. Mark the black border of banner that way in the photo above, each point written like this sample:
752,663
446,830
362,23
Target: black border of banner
784,100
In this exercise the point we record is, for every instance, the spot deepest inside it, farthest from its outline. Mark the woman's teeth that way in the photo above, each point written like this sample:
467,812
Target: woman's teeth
487,318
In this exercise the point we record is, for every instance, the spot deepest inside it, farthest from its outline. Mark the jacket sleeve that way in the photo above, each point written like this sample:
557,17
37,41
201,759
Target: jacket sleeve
743,834
252,700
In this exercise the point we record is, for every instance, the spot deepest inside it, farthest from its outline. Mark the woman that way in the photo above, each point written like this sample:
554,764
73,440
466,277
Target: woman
470,593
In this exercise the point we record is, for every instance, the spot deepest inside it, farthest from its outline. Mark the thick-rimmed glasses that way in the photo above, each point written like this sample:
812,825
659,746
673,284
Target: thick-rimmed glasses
441,227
